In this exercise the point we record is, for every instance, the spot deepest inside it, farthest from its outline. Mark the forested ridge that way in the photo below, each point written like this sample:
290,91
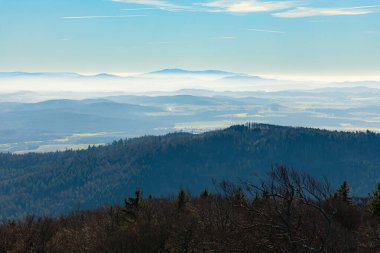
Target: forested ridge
288,212
62,182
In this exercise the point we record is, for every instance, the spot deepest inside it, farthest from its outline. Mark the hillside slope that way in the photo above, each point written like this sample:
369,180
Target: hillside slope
60,182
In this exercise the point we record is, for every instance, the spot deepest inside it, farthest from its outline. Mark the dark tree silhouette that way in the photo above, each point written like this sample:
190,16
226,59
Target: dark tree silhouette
343,193
374,202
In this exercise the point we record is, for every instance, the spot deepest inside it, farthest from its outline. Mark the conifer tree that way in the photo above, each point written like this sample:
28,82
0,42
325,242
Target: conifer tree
132,205
239,195
204,194
343,193
181,200
374,202
134,202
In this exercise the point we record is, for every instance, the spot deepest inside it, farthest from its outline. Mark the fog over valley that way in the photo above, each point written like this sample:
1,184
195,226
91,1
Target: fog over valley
43,112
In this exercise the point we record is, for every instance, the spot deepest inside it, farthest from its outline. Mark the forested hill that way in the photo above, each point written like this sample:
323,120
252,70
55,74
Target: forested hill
61,182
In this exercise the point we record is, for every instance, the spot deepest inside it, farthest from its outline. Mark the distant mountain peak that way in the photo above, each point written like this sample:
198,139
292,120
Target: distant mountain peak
178,71
38,74
105,75
243,77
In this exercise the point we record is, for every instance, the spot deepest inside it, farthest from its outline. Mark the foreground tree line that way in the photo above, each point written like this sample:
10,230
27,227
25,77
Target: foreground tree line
288,212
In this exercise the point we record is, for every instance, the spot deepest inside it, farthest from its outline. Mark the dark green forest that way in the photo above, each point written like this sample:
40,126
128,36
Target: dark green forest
288,212
63,182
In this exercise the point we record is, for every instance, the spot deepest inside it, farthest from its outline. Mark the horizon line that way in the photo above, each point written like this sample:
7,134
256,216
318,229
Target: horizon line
274,76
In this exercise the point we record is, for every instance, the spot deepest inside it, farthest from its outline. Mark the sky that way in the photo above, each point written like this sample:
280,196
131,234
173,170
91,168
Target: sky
300,37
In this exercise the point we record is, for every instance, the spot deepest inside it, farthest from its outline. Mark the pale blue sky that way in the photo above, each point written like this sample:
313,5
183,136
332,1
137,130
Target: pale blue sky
281,37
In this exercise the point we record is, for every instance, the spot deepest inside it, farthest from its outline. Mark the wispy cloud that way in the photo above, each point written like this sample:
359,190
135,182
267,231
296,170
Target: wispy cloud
102,17
285,9
301,12
265,31
232,6
246,6
163,5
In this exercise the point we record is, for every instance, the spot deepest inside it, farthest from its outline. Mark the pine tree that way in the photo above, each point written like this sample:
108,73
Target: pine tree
239,195
343,193
374,202
134,202
131,206
181,200
204,194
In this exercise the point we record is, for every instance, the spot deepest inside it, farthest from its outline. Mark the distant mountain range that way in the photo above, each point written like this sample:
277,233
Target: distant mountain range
192,72
158,72
224,75
167,80
163,72
39,74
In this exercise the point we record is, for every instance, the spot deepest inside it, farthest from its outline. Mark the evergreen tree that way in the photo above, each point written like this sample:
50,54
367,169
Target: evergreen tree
239,195
134,202
204,194
132,205
374,202
343,193
181,200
